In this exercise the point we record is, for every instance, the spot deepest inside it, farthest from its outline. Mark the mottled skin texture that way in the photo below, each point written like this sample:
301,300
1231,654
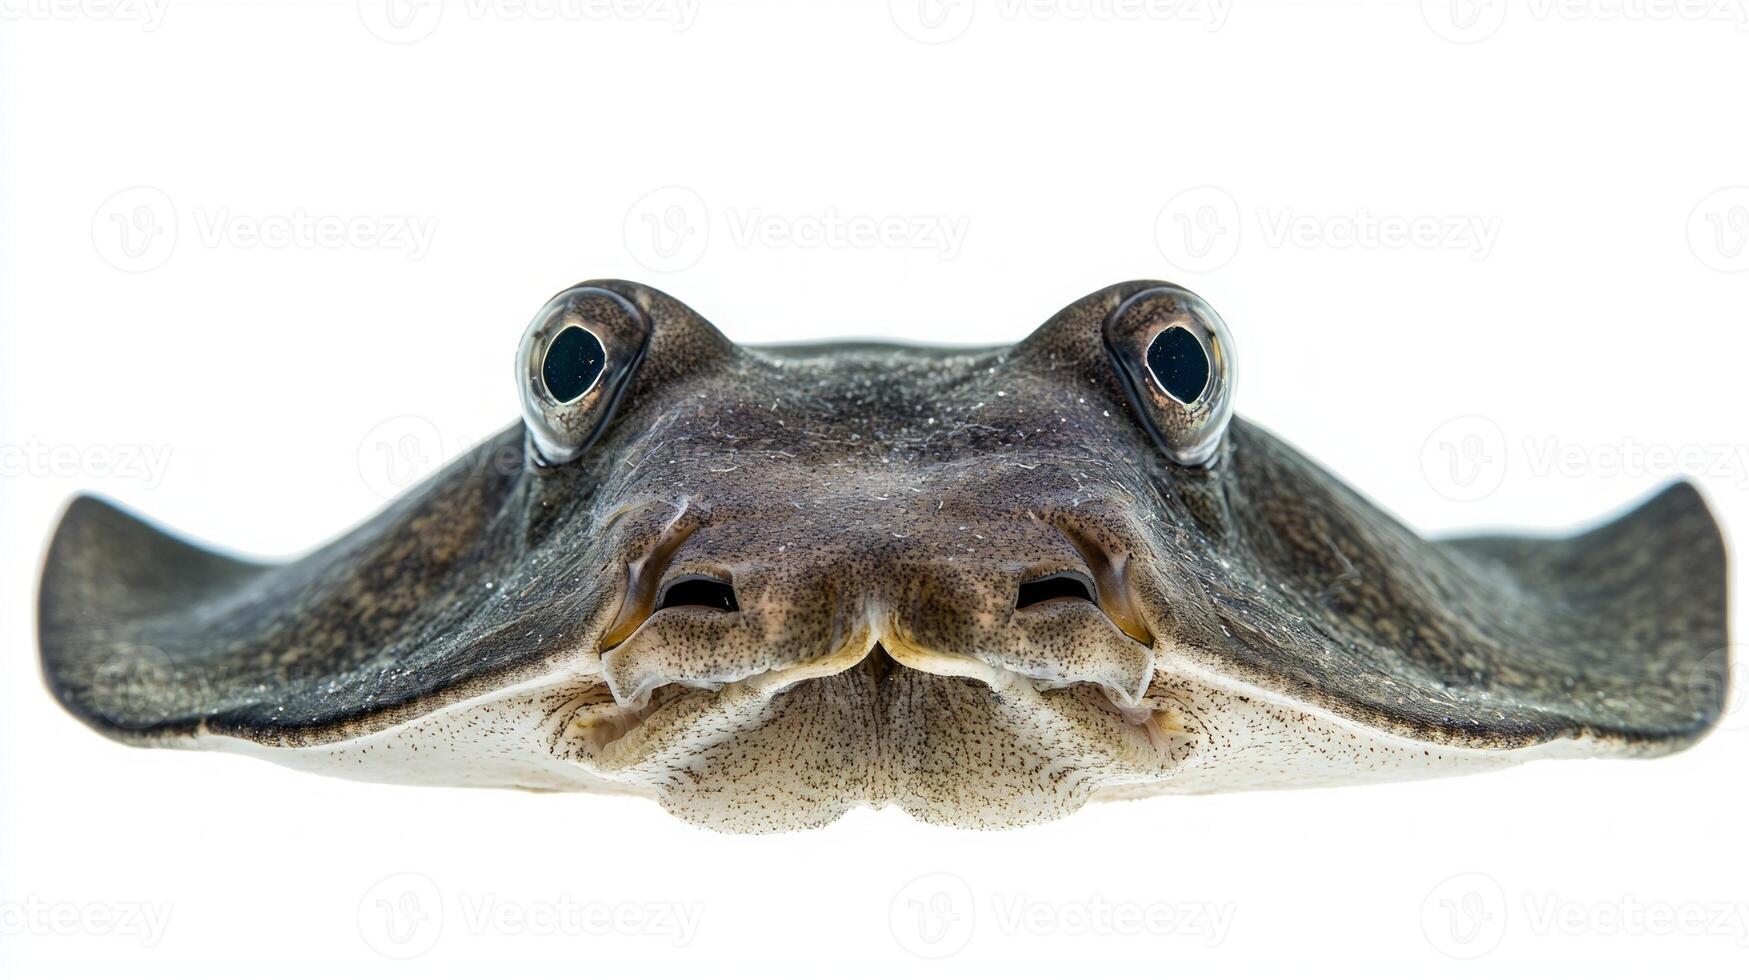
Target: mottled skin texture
876,508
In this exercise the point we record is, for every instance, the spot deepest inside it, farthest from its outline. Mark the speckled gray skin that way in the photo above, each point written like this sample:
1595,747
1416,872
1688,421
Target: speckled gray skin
876,508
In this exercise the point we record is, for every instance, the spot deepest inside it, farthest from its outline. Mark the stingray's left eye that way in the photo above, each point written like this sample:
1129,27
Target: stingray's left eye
573,365
1176,360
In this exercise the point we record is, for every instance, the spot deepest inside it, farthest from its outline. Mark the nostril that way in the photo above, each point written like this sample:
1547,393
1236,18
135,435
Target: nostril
699,591
1063,585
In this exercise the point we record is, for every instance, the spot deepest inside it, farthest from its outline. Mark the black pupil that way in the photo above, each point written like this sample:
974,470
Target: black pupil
574,360
699,592
1052,587
1179,363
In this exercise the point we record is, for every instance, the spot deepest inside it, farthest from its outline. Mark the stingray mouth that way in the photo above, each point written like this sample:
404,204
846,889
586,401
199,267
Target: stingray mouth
877,679
598,723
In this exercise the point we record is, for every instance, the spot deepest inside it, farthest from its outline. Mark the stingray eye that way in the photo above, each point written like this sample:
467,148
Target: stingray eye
573,362
572,367
1178,364
1176,360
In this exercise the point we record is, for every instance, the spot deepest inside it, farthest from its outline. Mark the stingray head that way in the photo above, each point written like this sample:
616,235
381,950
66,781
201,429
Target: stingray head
767,586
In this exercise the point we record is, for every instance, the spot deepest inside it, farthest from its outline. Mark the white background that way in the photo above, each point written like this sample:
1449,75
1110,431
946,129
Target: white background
1583,173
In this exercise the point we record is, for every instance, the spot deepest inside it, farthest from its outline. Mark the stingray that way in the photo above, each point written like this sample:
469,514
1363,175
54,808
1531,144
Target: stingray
766,586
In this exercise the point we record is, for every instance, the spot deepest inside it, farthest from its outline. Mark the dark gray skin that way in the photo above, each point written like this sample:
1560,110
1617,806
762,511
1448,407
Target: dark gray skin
876,508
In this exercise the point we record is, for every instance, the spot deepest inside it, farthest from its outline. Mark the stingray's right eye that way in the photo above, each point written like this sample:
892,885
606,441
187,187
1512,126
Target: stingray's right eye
572,366
1176,360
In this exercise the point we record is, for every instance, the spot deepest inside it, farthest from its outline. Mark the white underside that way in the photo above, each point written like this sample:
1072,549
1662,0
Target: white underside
1220,735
